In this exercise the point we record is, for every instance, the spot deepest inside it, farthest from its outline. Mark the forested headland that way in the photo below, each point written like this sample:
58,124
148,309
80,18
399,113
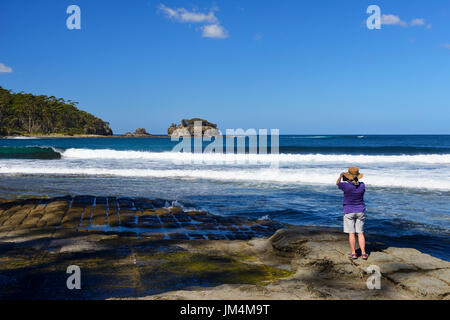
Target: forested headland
34,115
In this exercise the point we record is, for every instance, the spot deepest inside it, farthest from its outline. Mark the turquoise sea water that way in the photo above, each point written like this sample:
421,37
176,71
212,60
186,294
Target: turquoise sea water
407,178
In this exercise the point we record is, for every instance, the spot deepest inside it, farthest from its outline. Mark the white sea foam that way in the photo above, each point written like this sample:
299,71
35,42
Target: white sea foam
405,171
310,137
22,138
432,179
255,158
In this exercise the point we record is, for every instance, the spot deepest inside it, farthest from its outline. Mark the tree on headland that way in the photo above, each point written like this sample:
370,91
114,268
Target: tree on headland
28,114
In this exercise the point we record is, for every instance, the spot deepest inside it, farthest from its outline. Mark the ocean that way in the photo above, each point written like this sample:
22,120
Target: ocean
407,179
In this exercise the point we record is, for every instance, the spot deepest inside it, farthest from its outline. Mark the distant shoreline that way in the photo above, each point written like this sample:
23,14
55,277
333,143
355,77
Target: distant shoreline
58,136
166,136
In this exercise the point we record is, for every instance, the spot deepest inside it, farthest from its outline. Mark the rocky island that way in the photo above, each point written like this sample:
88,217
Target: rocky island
25,114
156,249
138,133
186,128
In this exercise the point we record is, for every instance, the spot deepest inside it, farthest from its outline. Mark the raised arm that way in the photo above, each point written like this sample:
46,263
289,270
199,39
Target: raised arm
340,178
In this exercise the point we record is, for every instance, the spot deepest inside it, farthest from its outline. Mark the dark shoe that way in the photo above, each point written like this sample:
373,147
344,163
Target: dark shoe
353,256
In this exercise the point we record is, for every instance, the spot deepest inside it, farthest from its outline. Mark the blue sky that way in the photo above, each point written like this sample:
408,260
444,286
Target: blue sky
306,67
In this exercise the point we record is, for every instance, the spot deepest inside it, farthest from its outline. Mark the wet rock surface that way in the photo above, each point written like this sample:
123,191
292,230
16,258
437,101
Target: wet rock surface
139,217
317,259
151,249
124,247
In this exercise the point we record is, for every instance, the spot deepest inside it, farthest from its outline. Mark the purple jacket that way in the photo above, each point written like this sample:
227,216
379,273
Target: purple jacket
353,197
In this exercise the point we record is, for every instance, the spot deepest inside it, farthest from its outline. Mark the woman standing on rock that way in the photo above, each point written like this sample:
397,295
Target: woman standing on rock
354,209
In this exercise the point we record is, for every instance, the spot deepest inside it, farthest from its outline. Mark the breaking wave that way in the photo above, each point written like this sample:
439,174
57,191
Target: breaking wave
385,178
43,153
262,158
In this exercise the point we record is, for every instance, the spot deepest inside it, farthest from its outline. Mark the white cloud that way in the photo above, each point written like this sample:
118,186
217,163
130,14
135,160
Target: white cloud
187,16
5,69
391,19
394,20
169,12
214,31
446,45
183,15
417,22
211,28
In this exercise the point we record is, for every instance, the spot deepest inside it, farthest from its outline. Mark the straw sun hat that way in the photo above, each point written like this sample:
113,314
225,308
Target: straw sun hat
353,173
